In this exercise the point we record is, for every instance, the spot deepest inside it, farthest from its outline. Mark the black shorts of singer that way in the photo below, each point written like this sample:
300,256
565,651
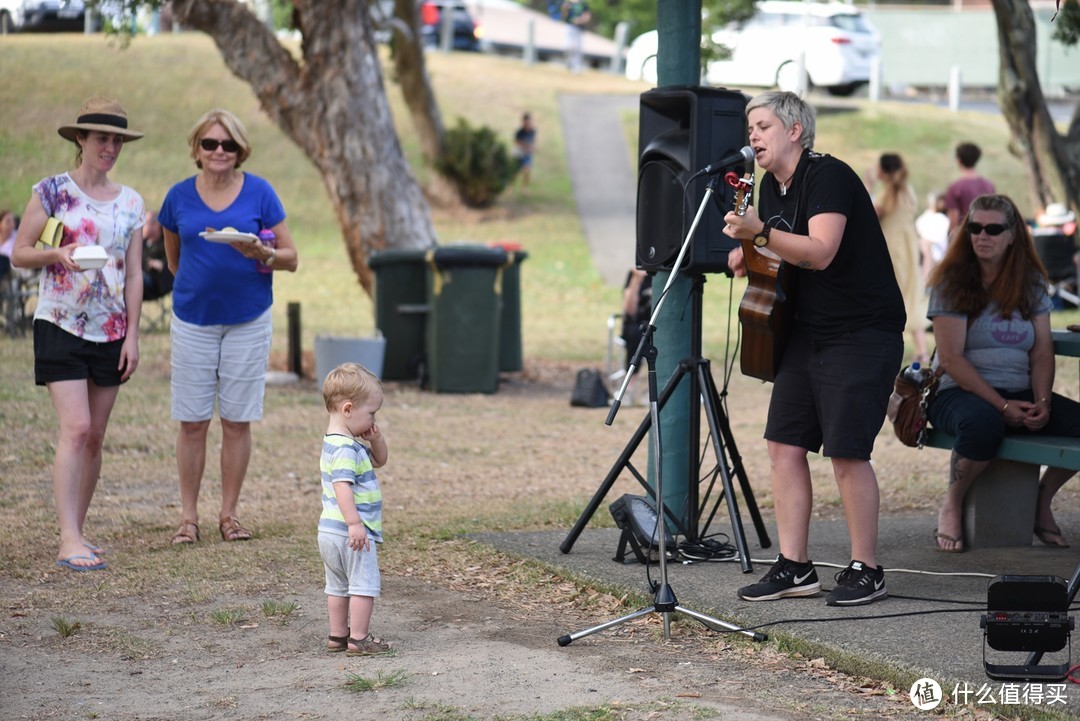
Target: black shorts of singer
61,356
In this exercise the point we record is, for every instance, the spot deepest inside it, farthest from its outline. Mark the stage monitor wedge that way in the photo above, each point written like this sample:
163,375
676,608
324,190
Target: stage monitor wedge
681,130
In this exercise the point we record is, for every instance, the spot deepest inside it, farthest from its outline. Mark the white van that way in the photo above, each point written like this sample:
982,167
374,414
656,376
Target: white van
840,45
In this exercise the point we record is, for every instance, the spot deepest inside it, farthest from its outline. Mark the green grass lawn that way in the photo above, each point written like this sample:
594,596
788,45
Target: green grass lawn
165,82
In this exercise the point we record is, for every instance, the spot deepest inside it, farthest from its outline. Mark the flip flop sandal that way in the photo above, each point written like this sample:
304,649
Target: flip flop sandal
231,530
1051,537
367,646
337,644
186,533
950,539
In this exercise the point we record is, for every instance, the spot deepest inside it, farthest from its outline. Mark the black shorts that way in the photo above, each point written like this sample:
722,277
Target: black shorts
61,356
834,393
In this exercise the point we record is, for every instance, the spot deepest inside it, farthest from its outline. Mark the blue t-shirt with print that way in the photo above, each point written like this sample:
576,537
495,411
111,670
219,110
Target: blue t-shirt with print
215,284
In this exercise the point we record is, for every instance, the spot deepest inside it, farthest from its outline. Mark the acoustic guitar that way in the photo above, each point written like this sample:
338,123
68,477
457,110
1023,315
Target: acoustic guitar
766,309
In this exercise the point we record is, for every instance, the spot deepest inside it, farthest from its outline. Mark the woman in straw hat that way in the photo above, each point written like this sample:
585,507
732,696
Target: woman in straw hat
86,326
222,293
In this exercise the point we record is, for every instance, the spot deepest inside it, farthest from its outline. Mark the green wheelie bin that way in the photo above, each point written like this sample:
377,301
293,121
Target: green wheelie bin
401,310
510,347
464,298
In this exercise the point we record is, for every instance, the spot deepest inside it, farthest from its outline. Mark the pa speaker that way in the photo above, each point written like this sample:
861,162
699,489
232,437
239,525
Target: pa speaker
681,130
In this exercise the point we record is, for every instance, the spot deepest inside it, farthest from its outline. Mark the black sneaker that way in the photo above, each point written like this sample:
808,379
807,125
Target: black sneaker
858,584
786,579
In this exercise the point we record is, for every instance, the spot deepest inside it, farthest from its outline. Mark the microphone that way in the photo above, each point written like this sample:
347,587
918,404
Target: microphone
743,155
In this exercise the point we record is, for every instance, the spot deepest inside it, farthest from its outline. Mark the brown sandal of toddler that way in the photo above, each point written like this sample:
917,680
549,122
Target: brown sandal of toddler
187,533
337,644
367,646
231,530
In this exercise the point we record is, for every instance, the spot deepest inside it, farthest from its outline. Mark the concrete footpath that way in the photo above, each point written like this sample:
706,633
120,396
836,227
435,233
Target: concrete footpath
928,626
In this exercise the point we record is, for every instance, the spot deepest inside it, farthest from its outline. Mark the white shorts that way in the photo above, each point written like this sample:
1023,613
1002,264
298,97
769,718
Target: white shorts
226,363
349,572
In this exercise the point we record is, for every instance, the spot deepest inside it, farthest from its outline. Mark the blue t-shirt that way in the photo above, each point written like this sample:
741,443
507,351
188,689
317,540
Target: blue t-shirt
216,285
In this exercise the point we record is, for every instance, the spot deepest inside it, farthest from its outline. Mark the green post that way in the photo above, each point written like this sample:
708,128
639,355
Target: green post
678,59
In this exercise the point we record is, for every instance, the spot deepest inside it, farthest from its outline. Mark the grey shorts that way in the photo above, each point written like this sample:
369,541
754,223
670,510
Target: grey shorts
223,363
349,572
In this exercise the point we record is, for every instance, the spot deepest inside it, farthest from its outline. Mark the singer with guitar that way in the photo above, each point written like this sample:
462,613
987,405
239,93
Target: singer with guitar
836,370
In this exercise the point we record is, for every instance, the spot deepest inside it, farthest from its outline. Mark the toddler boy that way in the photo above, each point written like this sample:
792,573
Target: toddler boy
351,521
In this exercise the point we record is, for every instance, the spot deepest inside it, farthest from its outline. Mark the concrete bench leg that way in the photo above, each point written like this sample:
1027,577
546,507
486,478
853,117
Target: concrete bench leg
999,509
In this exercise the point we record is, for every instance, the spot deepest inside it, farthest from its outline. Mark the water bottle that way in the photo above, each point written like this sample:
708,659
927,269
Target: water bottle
914,374
267,238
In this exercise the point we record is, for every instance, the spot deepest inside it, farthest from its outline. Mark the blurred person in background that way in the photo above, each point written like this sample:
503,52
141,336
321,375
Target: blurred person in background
968,186
895,205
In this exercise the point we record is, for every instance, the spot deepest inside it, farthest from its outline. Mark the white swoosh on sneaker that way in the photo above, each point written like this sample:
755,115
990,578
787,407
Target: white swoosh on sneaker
800,579
879,584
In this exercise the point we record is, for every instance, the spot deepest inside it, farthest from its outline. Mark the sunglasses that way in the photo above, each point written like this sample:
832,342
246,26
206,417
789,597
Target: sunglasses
212,144
991,230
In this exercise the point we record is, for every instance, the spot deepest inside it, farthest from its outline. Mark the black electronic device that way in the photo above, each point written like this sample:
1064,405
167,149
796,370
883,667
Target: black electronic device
682,130
636,517
1026,613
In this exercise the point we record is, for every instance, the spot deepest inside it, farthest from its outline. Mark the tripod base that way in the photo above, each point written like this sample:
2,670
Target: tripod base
665,604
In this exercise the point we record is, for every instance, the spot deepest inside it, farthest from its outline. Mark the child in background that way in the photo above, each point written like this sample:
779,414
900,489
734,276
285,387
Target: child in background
351,523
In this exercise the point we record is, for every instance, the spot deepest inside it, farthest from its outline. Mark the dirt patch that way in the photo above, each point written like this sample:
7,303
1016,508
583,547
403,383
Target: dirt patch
199,633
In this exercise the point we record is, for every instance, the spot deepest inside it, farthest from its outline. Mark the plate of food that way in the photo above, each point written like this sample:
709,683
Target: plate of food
228,235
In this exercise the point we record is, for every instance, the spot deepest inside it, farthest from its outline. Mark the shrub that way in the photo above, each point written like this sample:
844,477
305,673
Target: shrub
477,163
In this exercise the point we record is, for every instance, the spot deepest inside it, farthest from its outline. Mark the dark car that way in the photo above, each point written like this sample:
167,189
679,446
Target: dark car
466,31
42,15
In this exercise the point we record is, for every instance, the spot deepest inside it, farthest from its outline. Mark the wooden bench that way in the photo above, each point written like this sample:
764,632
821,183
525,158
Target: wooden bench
999,509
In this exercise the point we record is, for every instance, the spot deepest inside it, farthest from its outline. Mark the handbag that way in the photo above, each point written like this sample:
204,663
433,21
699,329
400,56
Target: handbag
589,390
52,233
913,391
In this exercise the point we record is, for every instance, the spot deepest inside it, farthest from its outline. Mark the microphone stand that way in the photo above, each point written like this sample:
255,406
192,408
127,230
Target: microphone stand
664,600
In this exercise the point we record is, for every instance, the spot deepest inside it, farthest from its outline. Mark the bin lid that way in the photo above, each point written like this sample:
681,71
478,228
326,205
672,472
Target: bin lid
514,250
396,256
457,256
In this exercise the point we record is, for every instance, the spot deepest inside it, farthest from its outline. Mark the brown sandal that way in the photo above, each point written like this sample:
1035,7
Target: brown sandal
187,533
337,643
367,646
231,530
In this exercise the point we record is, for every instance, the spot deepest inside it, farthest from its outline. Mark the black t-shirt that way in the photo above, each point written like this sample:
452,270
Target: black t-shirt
858,289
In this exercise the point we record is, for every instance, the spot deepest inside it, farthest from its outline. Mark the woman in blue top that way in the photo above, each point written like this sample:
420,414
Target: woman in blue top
222,294
991,315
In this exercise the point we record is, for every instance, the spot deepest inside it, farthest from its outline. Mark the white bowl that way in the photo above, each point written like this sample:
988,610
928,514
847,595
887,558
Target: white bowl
90,257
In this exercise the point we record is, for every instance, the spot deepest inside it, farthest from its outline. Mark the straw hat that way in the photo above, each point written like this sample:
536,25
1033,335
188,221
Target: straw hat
103,115
1056,214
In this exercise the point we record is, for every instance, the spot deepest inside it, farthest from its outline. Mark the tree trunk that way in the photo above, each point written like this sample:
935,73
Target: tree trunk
408,54
332,103
1053,162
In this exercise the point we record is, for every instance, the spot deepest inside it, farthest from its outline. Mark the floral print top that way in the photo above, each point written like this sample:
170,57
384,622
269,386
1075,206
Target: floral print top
89,304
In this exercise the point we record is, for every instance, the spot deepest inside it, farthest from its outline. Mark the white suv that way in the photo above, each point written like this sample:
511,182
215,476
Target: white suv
839,42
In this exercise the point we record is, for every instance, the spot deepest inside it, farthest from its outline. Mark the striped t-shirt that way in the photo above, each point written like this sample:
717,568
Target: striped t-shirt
346,460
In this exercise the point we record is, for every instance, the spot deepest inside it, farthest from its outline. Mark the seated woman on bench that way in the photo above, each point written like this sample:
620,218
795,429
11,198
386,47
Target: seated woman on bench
991,315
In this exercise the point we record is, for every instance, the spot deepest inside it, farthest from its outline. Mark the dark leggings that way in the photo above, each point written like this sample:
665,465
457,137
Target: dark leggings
979,427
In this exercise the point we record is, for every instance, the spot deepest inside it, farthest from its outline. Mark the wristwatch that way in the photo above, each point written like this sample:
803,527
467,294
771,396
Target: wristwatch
762,238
